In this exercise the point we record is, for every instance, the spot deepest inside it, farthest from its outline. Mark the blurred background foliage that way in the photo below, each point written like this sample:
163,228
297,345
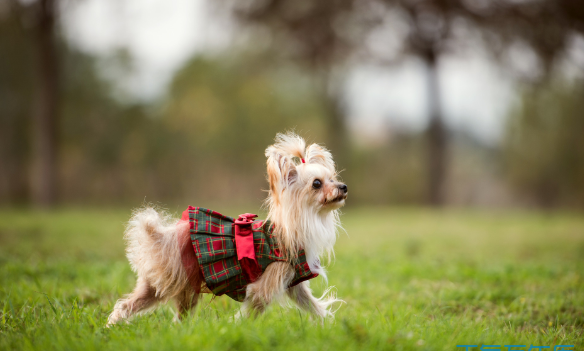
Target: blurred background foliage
70,134
544,146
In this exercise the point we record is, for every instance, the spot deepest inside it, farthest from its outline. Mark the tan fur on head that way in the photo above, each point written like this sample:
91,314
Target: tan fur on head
319,155
305,217
290,144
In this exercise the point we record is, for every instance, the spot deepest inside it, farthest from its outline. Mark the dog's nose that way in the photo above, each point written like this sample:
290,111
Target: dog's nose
343,188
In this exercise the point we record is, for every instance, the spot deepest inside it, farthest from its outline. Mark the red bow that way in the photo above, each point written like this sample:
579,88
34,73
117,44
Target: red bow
245,248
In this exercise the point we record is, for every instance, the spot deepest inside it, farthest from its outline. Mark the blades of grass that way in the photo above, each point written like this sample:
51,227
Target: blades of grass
383,318
13,314
50,303
301,321
4,311
92,321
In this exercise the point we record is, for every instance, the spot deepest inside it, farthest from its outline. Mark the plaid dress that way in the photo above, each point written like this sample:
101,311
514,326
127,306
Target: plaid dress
213,236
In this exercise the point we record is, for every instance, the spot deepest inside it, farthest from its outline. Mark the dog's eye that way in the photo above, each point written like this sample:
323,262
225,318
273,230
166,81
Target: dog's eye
316,184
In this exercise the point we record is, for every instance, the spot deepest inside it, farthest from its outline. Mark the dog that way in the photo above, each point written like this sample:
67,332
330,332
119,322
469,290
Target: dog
303,205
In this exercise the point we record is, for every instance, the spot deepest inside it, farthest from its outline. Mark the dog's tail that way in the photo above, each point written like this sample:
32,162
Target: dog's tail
154,251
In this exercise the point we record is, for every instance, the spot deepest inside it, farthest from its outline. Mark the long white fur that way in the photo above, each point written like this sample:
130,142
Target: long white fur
298,221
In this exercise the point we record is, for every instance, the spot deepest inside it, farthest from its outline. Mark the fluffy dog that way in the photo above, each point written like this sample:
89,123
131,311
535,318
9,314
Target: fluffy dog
303,203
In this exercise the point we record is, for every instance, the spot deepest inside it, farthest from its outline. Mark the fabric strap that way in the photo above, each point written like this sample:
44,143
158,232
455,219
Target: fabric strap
245,248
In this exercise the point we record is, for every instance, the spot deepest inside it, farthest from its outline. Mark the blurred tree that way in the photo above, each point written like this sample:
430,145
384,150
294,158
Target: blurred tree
208,137
46,112
307,32
15,95
92,124
205,142
545,29
46,121
30,45
544,146
429,29
96,128
223,112
391,173
327,35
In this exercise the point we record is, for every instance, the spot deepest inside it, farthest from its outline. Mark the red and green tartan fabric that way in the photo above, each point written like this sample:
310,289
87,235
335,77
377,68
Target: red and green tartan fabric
213,238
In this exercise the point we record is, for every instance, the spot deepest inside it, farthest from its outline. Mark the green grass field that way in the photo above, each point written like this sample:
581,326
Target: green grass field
411,279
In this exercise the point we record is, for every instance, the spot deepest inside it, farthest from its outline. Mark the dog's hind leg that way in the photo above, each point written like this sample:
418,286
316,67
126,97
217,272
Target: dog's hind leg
142,298
301,294
186,301
271,285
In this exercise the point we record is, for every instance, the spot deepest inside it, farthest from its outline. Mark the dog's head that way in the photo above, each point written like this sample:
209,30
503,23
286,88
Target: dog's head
303,176
305,195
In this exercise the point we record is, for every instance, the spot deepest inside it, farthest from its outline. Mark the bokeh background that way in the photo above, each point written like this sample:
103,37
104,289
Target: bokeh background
422,102
458,126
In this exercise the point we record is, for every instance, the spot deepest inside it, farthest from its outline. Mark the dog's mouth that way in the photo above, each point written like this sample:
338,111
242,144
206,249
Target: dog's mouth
337,199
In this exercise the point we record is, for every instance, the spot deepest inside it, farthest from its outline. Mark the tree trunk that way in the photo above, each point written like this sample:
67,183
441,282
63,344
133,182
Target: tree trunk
15,106
45,121
337,141
435,135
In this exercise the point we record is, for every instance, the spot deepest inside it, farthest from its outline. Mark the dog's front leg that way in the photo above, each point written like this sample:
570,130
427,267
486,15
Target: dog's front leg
271,285
301,294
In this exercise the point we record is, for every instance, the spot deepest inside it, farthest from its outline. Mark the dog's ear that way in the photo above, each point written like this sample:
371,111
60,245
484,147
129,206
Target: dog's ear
317,154
290,144
281,171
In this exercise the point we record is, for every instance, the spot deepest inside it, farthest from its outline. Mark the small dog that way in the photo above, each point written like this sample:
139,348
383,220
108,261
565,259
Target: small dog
303,203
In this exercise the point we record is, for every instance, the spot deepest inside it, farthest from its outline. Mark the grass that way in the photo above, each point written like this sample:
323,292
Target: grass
412,280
